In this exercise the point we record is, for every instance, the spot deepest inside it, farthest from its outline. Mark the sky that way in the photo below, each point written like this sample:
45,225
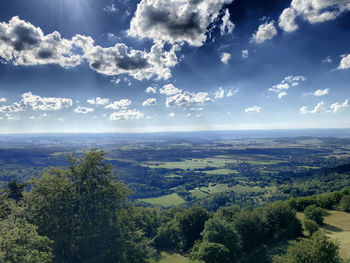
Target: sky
173,65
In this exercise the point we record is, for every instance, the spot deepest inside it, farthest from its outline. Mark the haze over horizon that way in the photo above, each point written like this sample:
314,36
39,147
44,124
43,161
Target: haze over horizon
173,65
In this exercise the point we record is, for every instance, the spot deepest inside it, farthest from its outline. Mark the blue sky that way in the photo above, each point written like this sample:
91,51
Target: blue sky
173,65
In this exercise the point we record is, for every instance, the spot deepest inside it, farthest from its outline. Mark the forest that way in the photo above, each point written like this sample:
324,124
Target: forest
83,213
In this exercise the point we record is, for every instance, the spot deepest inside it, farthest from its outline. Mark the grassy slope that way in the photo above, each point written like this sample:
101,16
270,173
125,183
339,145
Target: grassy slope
337,227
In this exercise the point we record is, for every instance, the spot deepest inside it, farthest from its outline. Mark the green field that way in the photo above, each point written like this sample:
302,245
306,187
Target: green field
221,171
166,200
191,163
218,188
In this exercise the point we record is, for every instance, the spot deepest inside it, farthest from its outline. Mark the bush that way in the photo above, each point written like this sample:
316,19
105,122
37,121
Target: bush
311,226
210,253
314,213
318,249
345,203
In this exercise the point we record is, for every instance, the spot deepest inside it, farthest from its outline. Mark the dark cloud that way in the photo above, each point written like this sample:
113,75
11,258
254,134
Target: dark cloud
131,63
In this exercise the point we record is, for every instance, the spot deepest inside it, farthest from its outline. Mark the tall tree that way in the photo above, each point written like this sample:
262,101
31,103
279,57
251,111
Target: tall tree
85,212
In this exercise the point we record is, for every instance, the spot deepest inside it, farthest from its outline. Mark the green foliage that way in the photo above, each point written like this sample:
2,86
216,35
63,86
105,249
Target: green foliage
345,203
318,249
84,211
251,229
281,220
311,226
15,190
210,253
191,224
314,213
21,243
221,232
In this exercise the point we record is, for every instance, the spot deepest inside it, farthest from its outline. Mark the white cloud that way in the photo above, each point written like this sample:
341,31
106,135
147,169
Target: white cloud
32,117
265,32
61,119
198,115
151,90
225,57
171,115
188,99
120,59
30,101
110,8
11,117
98,101
337,107
230,93
169,90
119,104
126,115
287,20
83,110
328,60
227,26
345,62
21,43
282,94
286,83
313,11
253,109
149,102
175,21
3,100
219,94
321,92
245,53
322,107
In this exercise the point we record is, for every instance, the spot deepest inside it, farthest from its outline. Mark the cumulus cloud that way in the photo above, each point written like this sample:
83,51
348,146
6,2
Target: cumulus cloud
21,43
171,115
265,32
30,101
126,115
2,100
151,90
345,62
119,104
98,101
227,26
169,90
321,92
83,110
120,59
287,20
149,102
286,83
188,99
322,107
225,57
337,107
175,21
253,109
245,53
311,11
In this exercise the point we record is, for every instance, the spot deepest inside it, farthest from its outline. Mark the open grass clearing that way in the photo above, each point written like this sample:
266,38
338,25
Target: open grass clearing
172,258
166,200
